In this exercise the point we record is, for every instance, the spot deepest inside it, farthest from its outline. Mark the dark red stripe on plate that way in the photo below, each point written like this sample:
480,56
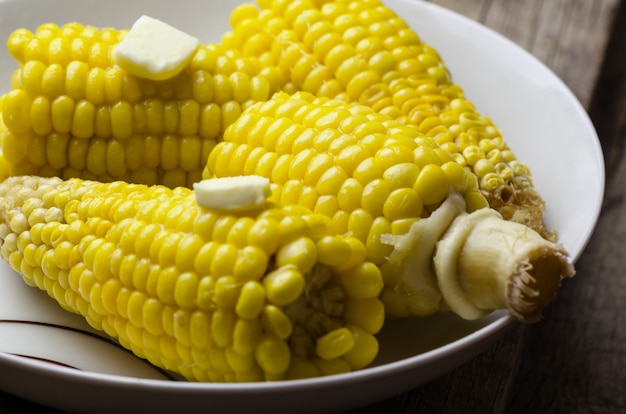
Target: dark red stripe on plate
46,360
103,338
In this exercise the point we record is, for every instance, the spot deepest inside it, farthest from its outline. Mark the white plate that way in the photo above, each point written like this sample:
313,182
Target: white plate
541,119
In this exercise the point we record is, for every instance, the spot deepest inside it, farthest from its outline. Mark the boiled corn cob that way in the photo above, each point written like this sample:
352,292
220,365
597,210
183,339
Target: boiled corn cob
73,112
267,295
390,187
209,294
361,51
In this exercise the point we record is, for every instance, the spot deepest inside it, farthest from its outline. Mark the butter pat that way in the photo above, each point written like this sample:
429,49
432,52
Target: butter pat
233,193
155,50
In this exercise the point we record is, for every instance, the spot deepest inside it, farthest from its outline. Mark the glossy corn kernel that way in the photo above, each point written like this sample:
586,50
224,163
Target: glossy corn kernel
362,51
73,112
5,168
209,294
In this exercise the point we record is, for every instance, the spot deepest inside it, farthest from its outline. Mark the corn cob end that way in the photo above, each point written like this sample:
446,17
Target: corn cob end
480,262
521,203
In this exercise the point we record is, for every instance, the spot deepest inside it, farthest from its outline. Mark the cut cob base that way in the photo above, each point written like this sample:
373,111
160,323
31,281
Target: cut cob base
471,264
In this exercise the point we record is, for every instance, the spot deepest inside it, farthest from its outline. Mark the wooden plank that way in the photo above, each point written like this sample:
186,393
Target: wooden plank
480,386
568,49
557,32
575,362
474,9
608,105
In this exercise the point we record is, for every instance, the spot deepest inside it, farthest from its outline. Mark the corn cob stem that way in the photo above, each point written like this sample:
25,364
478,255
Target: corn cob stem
502,264
473,263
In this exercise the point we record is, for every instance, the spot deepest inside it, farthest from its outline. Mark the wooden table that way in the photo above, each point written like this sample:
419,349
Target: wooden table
574,361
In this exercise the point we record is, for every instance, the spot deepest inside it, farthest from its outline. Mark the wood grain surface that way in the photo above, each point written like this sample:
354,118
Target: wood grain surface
569,36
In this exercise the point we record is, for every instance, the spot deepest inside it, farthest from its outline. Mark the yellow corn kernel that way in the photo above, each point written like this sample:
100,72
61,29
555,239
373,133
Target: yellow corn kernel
53,81
333,251
83,118
61,111
368,170
250,263
96,157
356,281
334,344
226,292
301,253
251,300
401,175
432,184
264,234
351,156
375,193
349,195
272,354
56,149
16,111
368,314
283,286
246,336
403,203
185,290
31,77
121,120
40,116
222,327
364,350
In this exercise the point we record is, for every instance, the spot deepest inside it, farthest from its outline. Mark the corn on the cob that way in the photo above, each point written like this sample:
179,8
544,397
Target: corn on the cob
72,112
267,295
385,184
361,51
211,295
